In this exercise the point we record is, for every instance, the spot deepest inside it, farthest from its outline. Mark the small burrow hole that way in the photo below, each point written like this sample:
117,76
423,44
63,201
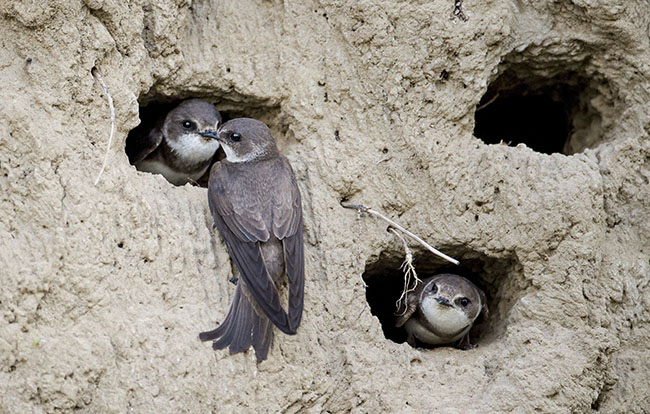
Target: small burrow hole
500,279
154,107
550,111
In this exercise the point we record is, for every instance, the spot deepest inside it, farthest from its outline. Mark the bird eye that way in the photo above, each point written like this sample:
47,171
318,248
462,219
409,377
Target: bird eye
464,301
434,288
189,125
235,137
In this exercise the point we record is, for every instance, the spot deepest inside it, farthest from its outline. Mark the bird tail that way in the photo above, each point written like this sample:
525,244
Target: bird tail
242,327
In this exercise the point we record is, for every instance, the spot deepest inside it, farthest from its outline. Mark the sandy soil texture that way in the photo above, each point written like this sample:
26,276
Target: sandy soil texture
104,288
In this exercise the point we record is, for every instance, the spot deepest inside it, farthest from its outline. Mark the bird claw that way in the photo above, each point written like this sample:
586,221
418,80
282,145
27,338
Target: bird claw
466,346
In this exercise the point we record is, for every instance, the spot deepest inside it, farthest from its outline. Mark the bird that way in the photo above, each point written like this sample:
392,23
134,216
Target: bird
179,145
441,311
256,205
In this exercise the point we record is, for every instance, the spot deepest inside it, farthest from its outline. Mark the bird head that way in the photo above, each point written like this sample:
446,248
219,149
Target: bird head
191,128
450,303
246,139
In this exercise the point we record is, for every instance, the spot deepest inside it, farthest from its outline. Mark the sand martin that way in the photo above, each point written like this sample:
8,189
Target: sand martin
441,311
180,145
256,205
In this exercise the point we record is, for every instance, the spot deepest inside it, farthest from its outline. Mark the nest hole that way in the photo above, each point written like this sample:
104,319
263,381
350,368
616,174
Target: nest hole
497,277
548,111
154,107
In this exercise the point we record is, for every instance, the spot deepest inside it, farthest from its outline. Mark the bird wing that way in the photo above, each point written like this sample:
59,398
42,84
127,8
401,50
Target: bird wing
239,217
140,144
484,309
287,226
408,309
412,299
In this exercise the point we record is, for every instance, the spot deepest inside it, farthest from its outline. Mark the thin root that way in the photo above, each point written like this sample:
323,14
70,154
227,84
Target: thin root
409,274
98,76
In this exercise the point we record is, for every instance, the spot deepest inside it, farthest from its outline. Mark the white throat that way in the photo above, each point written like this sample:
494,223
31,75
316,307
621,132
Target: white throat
231,156
194,148
446,319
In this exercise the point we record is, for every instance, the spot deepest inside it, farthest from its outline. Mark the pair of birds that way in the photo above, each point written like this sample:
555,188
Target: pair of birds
256,205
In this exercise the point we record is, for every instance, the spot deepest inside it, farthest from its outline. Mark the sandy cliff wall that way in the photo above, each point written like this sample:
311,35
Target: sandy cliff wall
105,287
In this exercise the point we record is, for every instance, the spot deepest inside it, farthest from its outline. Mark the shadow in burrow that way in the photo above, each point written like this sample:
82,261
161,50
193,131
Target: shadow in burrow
501,278
545,102
153,106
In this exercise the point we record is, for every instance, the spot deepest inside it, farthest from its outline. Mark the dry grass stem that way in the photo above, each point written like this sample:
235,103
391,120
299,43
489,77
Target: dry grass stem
98,76
365,285
363,209
494,98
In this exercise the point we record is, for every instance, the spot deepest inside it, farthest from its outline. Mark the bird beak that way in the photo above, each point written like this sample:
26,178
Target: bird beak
443,301
208,133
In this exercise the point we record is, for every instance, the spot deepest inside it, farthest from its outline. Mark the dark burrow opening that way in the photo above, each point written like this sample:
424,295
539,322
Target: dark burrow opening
156,107
500,278
547,114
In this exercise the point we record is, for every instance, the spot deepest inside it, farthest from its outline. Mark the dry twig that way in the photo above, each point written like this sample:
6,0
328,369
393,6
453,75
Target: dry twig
363,209
458,10
98,76
492,99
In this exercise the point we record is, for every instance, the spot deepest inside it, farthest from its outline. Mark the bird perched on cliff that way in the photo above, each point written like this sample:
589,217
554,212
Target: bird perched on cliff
180,145
442,310
256,205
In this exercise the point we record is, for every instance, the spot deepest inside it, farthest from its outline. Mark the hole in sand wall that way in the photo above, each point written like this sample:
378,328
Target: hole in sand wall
551,108
500,278
154,108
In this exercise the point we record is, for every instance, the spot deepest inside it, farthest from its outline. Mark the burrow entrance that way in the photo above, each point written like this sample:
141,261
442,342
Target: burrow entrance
550,110
500,278
153,107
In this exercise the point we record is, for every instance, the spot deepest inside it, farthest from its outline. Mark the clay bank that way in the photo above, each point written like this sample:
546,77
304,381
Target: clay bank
511,135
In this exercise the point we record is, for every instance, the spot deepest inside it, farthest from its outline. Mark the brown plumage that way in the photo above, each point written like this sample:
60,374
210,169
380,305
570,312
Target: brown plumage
441,310
256,206
179,145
